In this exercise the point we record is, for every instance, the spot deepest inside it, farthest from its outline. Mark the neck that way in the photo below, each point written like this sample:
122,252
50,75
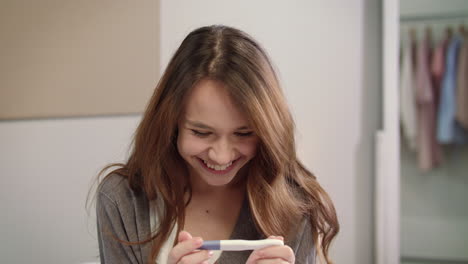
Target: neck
209,198
201,188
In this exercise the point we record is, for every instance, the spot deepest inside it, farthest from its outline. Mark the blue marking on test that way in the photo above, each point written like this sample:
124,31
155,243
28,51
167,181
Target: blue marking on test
211,245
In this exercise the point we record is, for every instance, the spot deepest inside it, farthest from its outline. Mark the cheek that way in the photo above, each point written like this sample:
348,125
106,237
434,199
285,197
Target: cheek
189,146
249,148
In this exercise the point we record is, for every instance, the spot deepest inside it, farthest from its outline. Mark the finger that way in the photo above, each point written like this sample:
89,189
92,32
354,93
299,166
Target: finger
196,257
283,252
184,235
183,248
276,237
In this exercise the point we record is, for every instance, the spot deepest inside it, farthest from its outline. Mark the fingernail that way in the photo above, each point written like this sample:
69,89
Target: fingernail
210,253
198,241
282,238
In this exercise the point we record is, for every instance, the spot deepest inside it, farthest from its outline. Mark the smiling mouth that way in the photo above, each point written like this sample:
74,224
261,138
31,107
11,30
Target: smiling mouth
218,169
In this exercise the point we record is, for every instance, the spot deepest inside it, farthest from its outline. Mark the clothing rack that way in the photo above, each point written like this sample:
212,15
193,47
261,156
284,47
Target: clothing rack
432,17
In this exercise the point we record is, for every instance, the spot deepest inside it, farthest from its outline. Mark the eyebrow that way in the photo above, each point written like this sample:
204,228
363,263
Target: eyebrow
204,126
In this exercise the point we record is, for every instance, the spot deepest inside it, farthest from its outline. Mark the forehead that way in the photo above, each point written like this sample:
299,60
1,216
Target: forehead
209,103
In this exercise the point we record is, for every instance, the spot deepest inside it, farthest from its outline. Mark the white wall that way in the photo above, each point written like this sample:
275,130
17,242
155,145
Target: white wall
328,57
46,169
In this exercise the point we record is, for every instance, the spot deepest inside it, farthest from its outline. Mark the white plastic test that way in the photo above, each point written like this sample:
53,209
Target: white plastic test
239,245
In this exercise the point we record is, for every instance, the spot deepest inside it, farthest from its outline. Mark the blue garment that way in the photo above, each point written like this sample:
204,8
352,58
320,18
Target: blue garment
448,130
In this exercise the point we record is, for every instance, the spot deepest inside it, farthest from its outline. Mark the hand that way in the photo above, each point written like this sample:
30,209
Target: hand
184,252
272,254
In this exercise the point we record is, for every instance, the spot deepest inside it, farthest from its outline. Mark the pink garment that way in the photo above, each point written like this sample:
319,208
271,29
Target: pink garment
461,114
426,114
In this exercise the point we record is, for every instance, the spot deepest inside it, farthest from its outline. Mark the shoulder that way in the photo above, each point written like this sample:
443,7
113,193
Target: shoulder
116,189
118,200
124,213
113,187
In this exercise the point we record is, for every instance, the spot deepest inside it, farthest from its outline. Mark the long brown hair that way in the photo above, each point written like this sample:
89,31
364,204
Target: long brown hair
279,188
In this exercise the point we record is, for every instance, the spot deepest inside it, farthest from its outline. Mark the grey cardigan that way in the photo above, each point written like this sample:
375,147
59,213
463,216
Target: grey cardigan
124,213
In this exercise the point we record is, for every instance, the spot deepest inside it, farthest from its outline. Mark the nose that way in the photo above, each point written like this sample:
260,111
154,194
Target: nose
221,152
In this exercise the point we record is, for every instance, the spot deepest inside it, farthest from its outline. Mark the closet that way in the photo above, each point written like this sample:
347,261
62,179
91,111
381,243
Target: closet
422,172
433,157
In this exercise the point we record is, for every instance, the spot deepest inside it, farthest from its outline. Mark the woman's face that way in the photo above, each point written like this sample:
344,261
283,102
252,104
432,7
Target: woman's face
214,136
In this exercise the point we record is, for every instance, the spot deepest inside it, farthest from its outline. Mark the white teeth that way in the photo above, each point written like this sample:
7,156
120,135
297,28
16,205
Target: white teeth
217,167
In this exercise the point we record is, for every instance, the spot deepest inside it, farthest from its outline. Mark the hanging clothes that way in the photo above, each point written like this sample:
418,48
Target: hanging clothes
438,66
425,104
462,86
448,131
407,93
437,72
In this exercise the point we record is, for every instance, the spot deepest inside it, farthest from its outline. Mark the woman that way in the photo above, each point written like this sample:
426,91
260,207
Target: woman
214,158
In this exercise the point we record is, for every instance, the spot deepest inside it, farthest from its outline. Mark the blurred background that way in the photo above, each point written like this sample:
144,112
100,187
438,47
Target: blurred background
76,75
434,161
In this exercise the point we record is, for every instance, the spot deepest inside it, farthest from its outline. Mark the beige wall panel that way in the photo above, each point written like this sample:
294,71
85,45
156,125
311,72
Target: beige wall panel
68,58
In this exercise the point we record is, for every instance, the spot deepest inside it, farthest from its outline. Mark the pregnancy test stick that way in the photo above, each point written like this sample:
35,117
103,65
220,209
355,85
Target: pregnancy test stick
239,245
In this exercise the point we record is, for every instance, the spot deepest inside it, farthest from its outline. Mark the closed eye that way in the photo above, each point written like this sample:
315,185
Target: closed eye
200,134
243,134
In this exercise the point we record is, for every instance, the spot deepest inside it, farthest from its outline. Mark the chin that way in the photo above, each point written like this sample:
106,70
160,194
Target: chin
216,180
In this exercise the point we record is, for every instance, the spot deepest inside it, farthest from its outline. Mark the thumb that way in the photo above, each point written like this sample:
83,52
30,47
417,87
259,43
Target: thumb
184,235
276,237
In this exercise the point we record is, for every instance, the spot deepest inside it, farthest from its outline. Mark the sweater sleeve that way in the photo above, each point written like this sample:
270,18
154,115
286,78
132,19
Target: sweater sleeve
303,246
110,224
